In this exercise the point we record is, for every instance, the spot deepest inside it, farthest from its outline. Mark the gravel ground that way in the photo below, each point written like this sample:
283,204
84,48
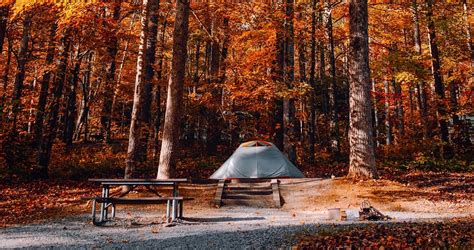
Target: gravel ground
228,227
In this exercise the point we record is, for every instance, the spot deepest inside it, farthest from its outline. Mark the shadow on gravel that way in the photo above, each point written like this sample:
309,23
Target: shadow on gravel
223,219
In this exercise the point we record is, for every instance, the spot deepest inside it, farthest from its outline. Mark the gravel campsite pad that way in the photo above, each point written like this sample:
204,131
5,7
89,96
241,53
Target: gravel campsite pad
237,227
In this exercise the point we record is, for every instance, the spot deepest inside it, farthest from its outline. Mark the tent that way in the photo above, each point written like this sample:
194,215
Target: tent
257,159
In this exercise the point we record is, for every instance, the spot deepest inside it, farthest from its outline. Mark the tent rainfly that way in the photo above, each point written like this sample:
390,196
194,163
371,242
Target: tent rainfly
257,159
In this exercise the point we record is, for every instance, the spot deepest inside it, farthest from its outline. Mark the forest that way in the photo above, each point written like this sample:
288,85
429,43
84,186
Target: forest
170,88
273,124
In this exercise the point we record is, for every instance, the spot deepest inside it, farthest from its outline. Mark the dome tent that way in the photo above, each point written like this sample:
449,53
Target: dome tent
257,159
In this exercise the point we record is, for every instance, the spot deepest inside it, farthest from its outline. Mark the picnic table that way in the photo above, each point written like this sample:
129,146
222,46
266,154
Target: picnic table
174,203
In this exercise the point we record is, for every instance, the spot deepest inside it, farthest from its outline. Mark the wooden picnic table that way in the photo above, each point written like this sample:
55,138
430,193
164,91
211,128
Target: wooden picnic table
174,202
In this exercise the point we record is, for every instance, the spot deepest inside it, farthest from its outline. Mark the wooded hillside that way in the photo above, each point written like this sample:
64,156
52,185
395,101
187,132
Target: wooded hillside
152,87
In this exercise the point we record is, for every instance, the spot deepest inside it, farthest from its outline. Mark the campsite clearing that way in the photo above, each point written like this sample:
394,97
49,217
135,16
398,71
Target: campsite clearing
306,203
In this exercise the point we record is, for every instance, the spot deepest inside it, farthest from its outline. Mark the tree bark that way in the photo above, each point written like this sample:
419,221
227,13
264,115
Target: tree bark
312,82
438,82
332,107
112,49
421,86
470,42
169,146
289,120
388,125
71,109
44,87
47,141
5,79
82,120
278,78
361,143
21,67
4,13
135,123
148,77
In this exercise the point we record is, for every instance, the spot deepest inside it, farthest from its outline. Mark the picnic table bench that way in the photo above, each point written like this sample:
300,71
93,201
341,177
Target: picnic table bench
174,203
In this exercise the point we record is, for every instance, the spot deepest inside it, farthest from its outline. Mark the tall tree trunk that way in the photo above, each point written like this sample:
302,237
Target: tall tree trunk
438,82
44,87
388,125
375,111
5,75
470,42
4,13
312,82
421,86
148,77
333,124
169,146
71,109
157,92
112,49
47,141
278,78
397,88
82,120
135,123
361,143
322,72
21,67
289,121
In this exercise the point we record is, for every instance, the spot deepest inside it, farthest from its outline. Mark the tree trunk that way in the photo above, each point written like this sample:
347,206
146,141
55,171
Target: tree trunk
47,141
4,13
421,87
6,73
361,143
148,77
112,49
169,146
71,109
278,78
470,42
322,72
400,112
332,107
135,123
21,67
375,111
82,120
438,82
44,87
388,125
157,92
312,82
289,120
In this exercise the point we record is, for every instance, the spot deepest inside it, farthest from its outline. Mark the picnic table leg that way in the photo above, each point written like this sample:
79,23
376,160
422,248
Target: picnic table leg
102,205
180,213
175,194
168,210
106,212
173,217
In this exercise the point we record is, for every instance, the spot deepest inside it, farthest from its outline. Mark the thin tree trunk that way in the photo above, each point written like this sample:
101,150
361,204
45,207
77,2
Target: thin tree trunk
6,73
422,96
375,110
470,42
112,49
278,77
169,146
388,125
361,143
47,141
21,67
4,14
289,120
71,109
438,82
44,87
135,123
333,124
322,72
400,112
82,120
312,82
